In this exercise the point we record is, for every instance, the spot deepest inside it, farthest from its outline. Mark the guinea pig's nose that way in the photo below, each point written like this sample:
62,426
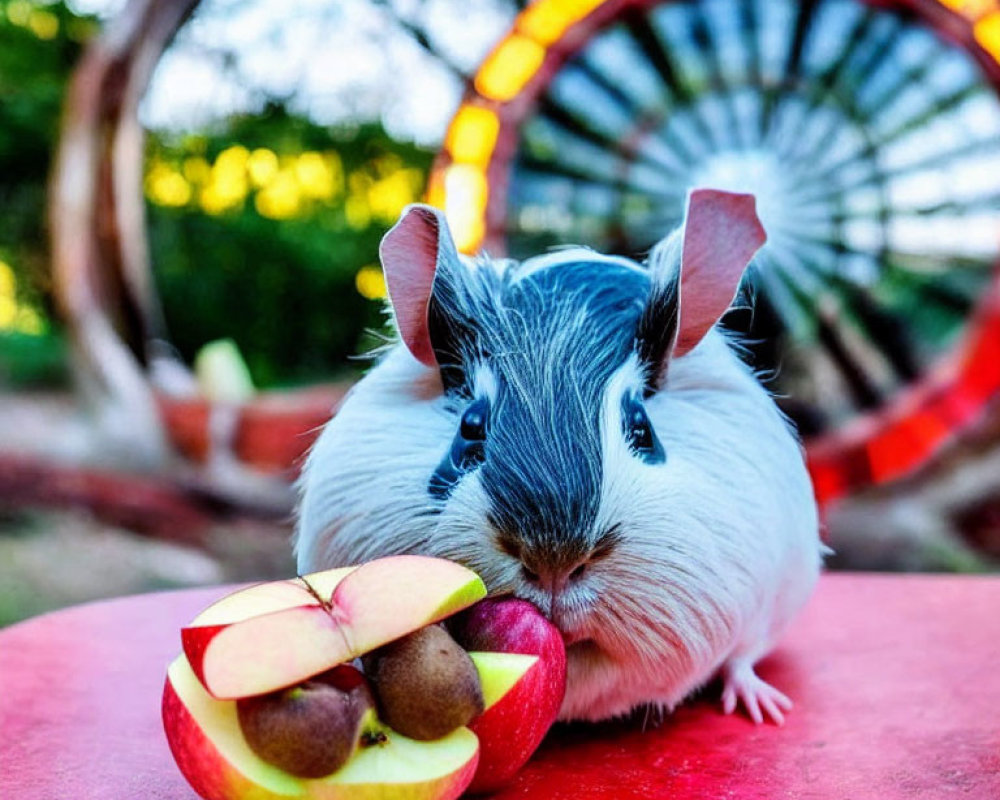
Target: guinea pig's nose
551,579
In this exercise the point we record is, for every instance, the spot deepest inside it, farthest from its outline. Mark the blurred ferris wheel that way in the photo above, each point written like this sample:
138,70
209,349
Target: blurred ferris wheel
869,130
870,134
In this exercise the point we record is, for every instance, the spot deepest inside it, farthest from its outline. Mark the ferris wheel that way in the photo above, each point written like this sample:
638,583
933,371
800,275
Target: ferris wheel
869,133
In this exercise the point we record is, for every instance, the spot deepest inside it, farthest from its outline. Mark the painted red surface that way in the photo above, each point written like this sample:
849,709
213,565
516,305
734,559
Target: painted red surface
895,681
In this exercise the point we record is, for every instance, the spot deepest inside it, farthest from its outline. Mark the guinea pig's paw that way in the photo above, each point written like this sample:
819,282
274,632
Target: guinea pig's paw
741,684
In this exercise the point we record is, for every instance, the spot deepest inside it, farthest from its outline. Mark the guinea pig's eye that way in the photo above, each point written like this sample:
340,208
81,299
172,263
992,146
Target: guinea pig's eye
473,425
639,431
467,450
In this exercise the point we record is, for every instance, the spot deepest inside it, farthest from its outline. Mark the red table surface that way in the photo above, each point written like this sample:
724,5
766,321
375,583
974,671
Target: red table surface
896,681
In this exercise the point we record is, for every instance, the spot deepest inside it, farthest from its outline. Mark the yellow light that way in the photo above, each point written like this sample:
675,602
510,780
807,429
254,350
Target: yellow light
44,24
281,198
435,195
233,158
987,32
196,169
29,321
972,9
370,283
547,20
19,12
356,212
509,67
167,187
8,281
8,313
466,192
473,135
389,196
262,166
317,176
227,185
212,202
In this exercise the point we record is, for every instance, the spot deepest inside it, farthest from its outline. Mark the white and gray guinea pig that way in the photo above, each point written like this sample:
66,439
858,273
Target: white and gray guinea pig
575,429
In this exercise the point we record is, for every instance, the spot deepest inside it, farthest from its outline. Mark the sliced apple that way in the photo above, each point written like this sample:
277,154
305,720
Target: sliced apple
265,598
275,635
208,744
523,700
499,673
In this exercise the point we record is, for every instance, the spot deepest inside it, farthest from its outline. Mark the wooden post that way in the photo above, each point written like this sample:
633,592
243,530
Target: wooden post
103,282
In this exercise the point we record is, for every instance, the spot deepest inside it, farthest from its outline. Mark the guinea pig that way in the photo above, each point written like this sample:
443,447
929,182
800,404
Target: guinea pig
577,429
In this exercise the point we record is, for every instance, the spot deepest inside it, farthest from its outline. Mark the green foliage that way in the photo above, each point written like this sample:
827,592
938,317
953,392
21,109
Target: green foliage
280,280
39,43
32,360
283,289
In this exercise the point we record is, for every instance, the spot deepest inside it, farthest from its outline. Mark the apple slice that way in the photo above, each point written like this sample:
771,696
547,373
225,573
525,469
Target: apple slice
275,635
520,709
209,746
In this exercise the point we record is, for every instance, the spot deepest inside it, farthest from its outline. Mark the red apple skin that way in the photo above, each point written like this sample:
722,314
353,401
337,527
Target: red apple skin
195,641
209,774
510,731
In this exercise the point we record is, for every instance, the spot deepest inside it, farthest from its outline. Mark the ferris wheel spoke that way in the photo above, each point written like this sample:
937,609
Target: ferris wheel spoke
578,175
919,117
867,45
638,26
912,284
934,161
861,389
626,105
574,125
962,154
805,15
926,115
714,25
866,146
769,275
885,328
681,28
680,90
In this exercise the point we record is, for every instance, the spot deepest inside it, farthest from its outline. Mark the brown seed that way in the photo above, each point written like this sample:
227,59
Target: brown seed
309,730
426,685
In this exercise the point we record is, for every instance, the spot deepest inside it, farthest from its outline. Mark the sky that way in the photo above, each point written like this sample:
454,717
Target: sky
337,60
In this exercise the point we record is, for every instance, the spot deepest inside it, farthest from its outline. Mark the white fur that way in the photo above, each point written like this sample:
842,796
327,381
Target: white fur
720,544
719,547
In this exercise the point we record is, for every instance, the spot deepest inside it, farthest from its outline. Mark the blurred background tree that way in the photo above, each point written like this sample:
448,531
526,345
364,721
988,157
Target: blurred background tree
39,46
264,227
266,231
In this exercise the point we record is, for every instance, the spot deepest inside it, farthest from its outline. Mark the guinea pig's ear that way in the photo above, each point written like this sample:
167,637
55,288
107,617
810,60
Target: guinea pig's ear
721,234
411,254
696,273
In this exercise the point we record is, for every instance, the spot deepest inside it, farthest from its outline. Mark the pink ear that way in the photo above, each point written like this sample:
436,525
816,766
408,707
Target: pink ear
721,235
410,254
